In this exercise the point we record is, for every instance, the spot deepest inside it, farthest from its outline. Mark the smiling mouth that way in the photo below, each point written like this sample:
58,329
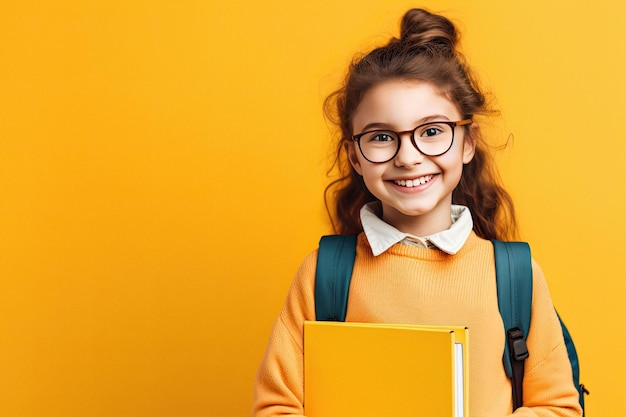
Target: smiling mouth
415,182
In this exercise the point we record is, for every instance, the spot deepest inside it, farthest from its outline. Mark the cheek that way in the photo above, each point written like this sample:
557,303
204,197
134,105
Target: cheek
372,174
454,167
371,170
451,163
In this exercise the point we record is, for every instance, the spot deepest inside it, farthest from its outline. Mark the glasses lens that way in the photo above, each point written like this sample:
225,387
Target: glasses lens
379,145
434,138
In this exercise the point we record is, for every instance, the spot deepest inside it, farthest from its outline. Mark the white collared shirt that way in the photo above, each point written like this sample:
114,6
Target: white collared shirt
382,235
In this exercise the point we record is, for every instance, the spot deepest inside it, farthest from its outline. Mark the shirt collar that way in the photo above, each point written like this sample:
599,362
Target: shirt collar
381,235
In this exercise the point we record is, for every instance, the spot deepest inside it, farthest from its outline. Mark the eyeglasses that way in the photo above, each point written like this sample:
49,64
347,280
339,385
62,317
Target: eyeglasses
431,139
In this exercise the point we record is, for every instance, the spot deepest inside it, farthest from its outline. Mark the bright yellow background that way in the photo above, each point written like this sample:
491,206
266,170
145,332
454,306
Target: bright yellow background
162,165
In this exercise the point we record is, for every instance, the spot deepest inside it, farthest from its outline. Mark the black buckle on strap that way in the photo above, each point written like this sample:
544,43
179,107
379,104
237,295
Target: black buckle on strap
517,344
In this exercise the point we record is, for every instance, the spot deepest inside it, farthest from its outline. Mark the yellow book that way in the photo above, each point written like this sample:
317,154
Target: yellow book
378,370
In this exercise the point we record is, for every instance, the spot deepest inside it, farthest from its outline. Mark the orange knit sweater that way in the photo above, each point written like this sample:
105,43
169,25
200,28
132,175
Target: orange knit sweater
416,285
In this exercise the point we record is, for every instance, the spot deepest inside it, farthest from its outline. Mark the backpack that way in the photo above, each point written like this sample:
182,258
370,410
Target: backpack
335,261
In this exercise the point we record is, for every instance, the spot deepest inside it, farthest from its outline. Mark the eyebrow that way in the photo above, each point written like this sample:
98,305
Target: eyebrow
387,126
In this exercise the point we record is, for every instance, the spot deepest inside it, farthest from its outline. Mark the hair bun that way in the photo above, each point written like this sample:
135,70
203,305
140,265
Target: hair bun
421,28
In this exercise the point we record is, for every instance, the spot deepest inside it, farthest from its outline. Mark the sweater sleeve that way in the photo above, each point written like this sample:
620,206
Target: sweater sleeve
279,383
548,389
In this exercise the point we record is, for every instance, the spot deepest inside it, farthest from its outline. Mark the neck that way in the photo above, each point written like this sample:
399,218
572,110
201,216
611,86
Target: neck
419,225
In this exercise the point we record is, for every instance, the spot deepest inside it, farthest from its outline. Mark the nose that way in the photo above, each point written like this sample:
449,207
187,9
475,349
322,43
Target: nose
407,155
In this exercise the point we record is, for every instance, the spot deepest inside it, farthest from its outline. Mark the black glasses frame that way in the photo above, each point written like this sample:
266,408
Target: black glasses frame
357,138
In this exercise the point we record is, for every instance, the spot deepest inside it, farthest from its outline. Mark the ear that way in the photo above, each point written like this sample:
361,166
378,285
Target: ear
353,157
469,143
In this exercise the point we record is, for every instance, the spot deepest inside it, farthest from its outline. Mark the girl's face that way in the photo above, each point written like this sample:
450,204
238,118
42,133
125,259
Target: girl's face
425,207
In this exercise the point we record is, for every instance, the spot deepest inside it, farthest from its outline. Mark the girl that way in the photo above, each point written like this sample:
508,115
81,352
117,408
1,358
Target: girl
420,191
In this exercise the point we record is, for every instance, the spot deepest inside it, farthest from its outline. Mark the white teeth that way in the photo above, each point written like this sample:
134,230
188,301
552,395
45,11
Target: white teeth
415,182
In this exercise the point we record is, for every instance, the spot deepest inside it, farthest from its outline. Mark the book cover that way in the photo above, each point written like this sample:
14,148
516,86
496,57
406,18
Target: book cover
367,369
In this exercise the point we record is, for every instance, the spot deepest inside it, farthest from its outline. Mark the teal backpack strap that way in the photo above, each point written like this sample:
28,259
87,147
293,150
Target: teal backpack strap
573,358
335,260
514,279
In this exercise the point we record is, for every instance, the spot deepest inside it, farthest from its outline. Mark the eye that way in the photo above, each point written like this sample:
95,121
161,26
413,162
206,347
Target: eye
430,131
433,132
381,137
